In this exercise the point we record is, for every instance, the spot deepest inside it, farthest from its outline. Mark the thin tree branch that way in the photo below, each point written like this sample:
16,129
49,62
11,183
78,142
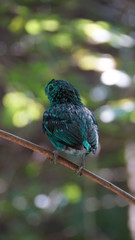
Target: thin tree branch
66,163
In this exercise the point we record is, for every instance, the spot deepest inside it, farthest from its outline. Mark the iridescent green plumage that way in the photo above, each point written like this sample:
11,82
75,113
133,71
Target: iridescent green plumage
70,126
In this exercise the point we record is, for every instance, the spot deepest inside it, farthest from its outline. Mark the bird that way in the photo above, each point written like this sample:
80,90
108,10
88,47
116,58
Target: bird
70,126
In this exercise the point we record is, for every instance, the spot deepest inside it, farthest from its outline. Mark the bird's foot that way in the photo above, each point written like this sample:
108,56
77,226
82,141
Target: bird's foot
54,160
82,165
79,171
55,152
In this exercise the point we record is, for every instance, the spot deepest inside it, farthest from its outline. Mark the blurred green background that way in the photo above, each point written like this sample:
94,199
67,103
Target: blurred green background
92,45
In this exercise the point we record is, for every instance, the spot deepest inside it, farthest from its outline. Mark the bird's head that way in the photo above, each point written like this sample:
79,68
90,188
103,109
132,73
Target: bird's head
61,91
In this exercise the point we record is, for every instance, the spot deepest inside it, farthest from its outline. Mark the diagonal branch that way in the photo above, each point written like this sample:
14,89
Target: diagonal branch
66,163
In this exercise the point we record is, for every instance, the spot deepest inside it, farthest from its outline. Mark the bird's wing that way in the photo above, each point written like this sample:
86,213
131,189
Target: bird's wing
92,129
63,127
72,127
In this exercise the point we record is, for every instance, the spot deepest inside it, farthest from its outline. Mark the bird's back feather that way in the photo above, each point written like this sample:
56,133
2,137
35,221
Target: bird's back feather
69,125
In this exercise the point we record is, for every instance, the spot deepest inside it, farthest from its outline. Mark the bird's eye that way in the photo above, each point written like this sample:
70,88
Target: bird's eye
50,88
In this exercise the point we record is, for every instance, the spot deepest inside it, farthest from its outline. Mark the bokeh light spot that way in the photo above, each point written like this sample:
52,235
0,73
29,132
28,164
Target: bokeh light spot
87,62
16,24
107,114
42,201
72,192
106,62
22,108
99,93
100,35
127,105
115,77
62,40
33,27
50,25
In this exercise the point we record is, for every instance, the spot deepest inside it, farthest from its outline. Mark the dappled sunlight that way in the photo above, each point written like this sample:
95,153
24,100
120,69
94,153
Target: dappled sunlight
62,40
21,119
100,35
117,110
87,63
86,60
127,104
15,99
115,77
122,40
21,108
127,41
35,26
100,32
95,31
105,62
16,24
61,198
50,25
51,202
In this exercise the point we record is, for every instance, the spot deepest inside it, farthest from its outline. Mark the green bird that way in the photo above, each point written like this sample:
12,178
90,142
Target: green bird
69,125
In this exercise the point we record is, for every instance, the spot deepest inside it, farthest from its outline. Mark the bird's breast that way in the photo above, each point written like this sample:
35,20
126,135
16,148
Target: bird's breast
75,152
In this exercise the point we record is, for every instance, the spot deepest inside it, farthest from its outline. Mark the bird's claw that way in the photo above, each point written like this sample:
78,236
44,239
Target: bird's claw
55,152
54,160
79,171
82,165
